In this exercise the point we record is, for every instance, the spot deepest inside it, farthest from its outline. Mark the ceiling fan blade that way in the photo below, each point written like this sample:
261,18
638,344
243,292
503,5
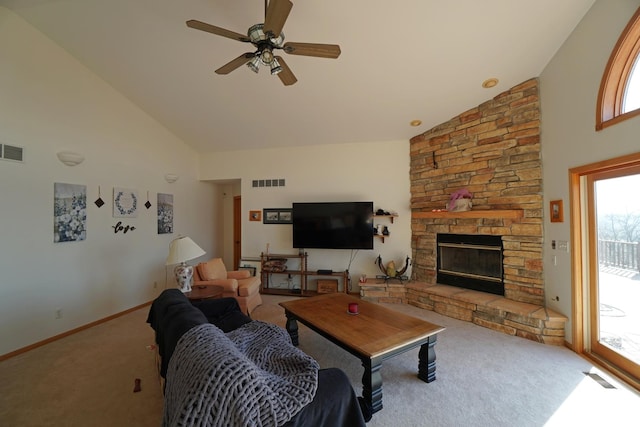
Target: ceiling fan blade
312,49
286,76
203,26
238,62
276,15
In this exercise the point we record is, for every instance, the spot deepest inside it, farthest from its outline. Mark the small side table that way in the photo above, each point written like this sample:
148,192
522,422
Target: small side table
201,293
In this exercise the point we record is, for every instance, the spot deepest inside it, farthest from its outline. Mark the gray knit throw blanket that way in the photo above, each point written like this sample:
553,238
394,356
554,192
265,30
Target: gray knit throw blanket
252,376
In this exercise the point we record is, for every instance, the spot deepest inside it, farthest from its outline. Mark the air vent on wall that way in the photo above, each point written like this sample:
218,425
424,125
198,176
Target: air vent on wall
268,182
10,152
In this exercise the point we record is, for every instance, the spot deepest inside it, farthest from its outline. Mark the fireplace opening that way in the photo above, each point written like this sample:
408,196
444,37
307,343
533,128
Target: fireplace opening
470,261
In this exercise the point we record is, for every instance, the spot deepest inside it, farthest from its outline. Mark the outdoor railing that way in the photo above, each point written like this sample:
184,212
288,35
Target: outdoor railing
619,254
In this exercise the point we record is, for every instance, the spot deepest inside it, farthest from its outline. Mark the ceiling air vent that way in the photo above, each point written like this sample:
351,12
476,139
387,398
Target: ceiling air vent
10,152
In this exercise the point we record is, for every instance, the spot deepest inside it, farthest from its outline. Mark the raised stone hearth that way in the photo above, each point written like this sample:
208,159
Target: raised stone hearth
521,319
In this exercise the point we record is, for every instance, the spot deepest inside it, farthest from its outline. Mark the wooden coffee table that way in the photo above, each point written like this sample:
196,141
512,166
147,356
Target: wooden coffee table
203,292
374,335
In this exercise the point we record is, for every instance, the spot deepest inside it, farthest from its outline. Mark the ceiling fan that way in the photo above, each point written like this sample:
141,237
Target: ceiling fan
268,37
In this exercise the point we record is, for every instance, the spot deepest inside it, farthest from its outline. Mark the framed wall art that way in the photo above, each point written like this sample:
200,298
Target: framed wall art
165,213
125,203
69,212
276,216
255,215
557,214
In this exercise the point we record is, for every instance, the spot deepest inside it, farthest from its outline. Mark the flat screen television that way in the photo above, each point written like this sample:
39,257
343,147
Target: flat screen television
333,225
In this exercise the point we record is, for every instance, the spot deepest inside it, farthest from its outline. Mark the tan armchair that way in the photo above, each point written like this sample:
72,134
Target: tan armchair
239,284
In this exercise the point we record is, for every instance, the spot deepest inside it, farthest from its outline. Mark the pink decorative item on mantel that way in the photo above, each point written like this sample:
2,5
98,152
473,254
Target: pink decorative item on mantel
460,201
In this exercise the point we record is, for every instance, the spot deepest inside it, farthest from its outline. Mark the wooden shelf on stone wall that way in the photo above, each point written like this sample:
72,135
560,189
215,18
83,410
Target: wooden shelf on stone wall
493,213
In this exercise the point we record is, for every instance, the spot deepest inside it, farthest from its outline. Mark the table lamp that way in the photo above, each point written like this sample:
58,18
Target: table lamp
182,250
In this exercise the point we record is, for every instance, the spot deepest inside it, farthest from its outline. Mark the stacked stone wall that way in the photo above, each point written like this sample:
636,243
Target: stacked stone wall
493,151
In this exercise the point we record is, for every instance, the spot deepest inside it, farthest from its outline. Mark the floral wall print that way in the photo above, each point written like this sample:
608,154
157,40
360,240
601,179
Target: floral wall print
69,212
125,203
165,213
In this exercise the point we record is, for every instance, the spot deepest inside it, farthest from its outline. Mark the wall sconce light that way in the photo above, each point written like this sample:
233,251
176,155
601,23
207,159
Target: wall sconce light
70,158
171,178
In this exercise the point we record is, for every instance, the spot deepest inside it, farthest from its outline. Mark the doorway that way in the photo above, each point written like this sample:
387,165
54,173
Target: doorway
606,233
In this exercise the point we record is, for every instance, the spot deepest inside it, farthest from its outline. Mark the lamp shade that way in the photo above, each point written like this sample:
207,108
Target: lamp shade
183,249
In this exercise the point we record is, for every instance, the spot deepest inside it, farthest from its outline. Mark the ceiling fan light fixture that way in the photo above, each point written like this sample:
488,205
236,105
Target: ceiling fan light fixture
256,33
278,41
266,56
275,67
254,65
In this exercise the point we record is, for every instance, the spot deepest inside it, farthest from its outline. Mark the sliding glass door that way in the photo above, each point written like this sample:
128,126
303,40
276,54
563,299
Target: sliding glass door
613,230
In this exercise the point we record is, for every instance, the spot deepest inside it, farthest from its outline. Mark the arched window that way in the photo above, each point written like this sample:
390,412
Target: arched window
619,96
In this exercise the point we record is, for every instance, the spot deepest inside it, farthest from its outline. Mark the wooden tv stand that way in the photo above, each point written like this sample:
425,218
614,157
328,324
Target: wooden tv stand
301,271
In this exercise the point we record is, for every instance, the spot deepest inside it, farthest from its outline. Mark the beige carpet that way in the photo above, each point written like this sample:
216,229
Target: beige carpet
484,378
86,379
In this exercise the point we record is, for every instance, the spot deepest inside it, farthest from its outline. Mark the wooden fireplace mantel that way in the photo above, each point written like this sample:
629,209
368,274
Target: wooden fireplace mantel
489,213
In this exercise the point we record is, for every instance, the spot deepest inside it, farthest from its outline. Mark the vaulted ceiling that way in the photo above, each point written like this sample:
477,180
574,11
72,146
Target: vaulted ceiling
401,61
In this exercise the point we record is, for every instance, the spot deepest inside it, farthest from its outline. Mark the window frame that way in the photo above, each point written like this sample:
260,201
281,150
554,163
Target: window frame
616,76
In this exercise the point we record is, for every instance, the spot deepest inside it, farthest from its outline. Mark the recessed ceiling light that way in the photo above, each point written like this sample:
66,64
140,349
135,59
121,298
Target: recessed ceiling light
489,83
415,122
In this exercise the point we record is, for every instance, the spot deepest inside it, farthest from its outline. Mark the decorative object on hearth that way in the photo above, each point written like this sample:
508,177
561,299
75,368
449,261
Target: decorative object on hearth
390,272
99,202
460,201
266,38
182,250
391,269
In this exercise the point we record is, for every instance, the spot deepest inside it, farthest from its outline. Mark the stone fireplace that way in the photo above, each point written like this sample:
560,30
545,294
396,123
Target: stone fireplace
493,151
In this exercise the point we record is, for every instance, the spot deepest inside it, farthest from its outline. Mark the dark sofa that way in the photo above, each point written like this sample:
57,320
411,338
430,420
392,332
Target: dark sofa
171,315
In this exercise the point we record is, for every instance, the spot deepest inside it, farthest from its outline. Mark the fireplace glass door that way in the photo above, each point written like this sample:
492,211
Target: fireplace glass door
471,261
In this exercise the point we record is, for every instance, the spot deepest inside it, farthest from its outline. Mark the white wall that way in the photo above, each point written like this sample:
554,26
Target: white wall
374,171
569,90
49,102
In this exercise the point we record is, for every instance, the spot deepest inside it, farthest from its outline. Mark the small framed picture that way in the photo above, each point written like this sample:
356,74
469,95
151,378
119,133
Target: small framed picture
255,215
276,216
285,216
557,214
